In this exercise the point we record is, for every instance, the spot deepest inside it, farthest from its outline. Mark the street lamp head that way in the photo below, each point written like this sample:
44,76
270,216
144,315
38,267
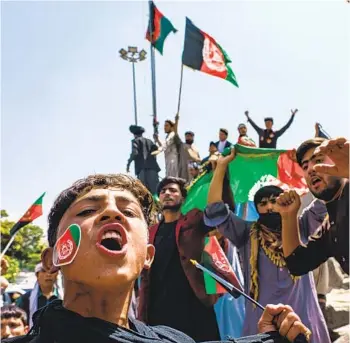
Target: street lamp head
123,52
142,54
132,49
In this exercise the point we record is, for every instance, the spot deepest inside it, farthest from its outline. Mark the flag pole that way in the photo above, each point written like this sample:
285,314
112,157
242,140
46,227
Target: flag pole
153,69
180,88
228,286
8,246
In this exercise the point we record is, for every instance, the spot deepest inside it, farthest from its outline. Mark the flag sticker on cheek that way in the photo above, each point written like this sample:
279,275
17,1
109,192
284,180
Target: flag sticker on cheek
67,246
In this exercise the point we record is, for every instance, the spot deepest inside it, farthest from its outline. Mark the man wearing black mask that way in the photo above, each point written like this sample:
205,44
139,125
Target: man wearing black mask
260,243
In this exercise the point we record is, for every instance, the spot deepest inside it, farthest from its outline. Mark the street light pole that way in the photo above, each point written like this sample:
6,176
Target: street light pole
133,55
134,84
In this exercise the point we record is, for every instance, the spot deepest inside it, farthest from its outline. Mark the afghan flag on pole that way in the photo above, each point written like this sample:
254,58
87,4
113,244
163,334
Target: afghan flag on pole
214,259
203,53
35,211
251,169
159,28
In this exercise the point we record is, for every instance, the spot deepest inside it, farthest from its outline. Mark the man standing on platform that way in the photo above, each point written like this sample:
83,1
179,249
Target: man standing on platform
146,166
268,137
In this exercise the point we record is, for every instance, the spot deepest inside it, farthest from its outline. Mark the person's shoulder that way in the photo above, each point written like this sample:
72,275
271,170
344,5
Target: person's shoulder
160,333
168,334
21,339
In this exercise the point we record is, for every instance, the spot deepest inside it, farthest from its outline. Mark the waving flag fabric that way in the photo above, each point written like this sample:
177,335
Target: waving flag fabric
250,167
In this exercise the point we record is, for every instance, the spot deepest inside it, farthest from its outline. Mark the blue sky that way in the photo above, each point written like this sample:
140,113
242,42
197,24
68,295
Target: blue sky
66,100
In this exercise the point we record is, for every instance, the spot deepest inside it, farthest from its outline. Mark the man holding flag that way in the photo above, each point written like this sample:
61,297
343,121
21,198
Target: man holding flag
265,273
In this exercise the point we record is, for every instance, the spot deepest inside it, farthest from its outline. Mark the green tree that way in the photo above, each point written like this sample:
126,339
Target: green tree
26,247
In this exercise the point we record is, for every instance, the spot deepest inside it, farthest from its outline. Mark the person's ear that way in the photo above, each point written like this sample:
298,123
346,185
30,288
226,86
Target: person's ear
26,329
151,250
47,261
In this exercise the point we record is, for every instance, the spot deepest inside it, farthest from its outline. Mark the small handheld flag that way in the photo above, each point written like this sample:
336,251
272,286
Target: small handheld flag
214,259
35,211
228,286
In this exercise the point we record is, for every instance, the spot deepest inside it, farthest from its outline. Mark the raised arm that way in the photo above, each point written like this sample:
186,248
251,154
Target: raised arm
300,258
256,127
217,213
177,117
285,127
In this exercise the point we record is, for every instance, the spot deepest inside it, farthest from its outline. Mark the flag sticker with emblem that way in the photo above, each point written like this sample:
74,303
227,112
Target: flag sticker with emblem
67,246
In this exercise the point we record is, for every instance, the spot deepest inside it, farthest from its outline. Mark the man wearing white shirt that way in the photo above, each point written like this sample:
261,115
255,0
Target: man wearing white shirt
223,143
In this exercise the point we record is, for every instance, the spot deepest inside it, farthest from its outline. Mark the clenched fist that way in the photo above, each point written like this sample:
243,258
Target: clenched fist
288,203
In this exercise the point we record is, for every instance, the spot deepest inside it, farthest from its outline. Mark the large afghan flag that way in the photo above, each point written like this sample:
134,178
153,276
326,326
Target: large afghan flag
249,171
35,211
159,28
202,52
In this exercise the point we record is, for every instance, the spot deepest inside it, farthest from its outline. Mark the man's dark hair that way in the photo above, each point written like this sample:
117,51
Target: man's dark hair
170,122
189,133
13,311
306,146
97,181
266,192
224,131
171,179
269,119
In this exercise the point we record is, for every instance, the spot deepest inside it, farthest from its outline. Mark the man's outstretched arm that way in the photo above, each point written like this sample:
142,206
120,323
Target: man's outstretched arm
286,127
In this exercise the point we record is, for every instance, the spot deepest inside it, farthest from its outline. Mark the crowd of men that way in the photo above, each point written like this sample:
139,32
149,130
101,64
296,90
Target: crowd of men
182,158
130,278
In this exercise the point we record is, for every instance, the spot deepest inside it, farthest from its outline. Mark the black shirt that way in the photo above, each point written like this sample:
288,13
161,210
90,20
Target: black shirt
268,138
330,240
172,300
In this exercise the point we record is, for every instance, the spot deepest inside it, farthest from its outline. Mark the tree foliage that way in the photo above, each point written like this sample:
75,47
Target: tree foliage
26,249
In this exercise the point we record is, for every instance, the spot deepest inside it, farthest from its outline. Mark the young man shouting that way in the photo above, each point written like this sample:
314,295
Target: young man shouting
98,237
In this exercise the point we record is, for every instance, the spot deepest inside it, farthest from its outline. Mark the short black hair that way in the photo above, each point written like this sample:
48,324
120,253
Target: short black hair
266,192
268,119
306,146
97,181
212,143
172,179
189,133
13,311
224,131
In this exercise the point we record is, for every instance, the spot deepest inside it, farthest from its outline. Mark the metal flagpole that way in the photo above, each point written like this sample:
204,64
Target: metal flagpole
180,88
153,70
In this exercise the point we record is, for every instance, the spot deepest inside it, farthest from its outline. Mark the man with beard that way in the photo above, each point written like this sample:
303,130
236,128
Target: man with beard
170,147
146,166
243,138
326,170
172,293
109,216
266,277
193,153
174,150
268,137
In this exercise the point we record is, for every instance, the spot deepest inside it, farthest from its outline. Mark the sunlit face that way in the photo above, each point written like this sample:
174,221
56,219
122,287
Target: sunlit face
268,124
189,139
193,171
114,237
267,205
170,197
242,130
45,279
222,136
167,127
213,149
12,327
321,185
